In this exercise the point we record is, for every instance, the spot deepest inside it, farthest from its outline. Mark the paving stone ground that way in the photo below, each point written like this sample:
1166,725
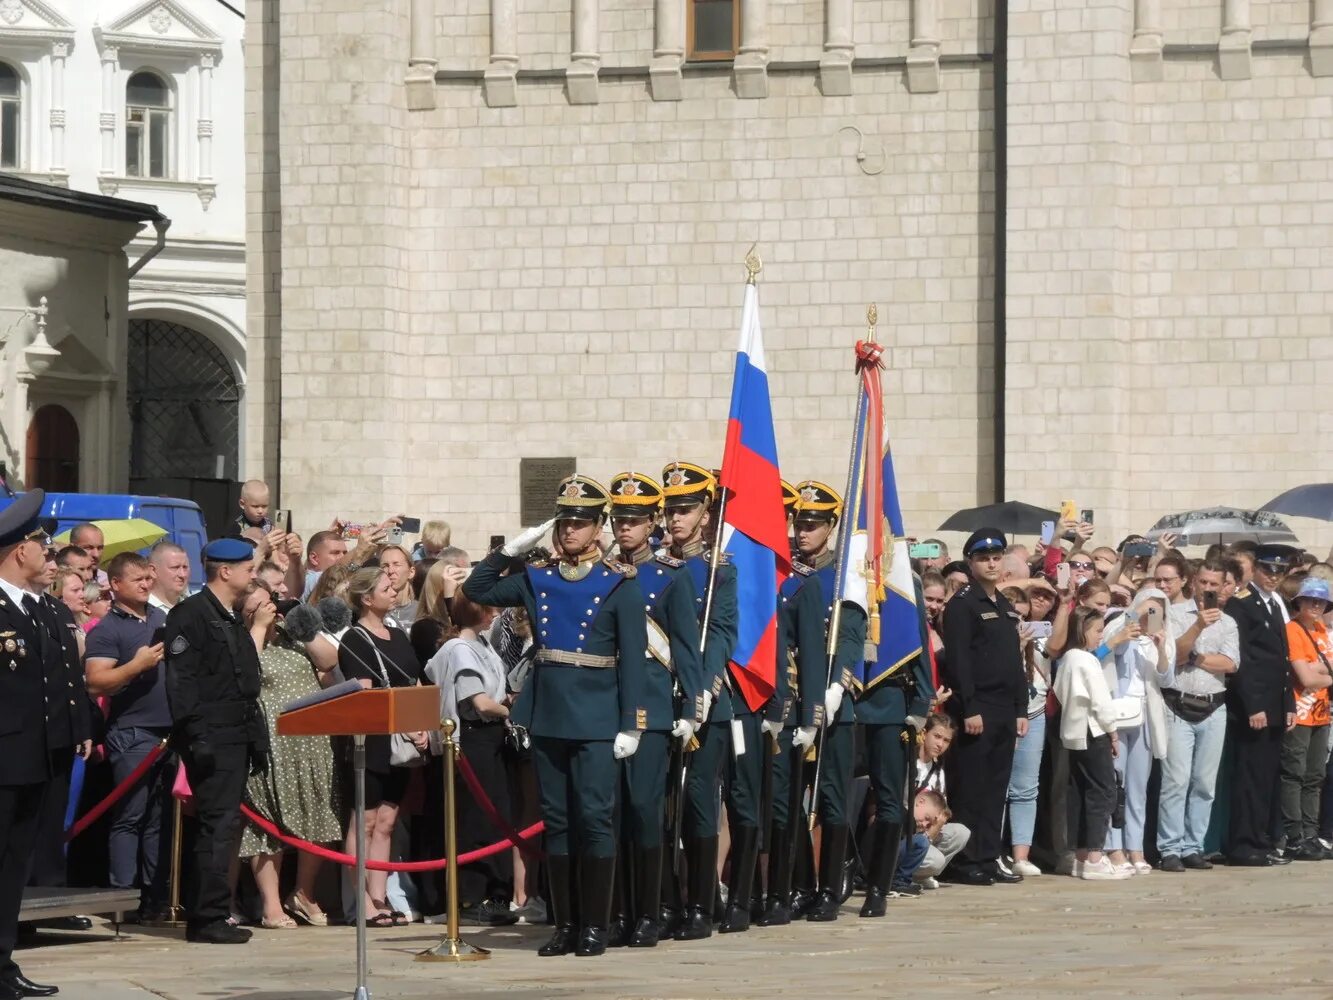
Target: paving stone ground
1236,933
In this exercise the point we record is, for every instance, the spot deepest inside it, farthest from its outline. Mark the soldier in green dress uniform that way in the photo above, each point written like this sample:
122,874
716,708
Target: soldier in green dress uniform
584,704
822,704
673,694
689,491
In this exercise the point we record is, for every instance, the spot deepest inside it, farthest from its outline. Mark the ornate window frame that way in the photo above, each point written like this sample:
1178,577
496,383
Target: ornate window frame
181,49
37,39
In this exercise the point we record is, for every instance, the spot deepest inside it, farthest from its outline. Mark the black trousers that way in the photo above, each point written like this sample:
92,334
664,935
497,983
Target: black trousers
1092,793
1255,785
20,817
48,857
217,804
493,877
979,783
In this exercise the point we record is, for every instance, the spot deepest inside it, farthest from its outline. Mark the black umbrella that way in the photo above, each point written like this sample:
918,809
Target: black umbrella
1312,500
1012,517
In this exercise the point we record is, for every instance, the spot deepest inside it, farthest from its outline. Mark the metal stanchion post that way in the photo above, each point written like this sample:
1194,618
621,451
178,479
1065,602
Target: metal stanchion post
359,767
453,948
175,912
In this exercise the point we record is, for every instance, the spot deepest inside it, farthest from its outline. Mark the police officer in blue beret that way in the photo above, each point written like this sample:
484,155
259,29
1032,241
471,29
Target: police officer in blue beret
212,682
584,703
673,687
984,668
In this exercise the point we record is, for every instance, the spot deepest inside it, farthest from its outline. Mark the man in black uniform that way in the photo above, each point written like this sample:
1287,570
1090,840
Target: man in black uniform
1262,708
990,695
213,689
69,731
32,736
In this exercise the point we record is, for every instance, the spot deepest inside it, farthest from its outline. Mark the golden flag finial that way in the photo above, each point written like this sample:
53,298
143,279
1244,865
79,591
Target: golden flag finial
753,265
872,317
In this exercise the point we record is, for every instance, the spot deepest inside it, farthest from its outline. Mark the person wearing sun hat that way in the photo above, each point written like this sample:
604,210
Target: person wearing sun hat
1305,745
673,688
584,703
1262,707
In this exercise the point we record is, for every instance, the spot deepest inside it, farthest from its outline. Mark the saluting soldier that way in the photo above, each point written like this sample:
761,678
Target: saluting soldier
891,708
34,741
672,690
985,671
212,682
584,704
689,491
1262,707
780,721
823,704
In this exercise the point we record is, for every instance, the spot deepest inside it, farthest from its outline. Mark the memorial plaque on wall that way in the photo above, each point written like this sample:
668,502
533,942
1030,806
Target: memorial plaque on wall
537,480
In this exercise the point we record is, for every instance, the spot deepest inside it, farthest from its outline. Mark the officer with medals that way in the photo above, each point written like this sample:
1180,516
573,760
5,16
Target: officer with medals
985,671
822,695
212,682
1262,707
689,491
584,704
779,722
34,733
891,708
672,690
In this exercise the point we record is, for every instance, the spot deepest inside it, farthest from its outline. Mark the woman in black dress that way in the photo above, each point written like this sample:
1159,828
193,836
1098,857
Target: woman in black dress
375,651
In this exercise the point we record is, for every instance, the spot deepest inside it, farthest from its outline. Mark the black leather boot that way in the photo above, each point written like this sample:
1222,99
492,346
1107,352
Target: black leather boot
887,842
803,872
744,847
832,855
701,853
777,908
597,882
618,930
648,897
563,938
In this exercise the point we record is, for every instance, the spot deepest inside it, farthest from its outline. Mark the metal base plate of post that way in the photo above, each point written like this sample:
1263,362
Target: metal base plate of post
454,950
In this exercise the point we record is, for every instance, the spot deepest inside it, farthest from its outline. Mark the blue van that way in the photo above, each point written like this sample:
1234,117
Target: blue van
182,519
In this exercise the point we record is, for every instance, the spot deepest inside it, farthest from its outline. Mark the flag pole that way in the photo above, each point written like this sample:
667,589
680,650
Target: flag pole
851,515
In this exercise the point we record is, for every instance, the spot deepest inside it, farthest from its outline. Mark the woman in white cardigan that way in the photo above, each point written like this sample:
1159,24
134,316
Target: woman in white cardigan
1088,719
1141,665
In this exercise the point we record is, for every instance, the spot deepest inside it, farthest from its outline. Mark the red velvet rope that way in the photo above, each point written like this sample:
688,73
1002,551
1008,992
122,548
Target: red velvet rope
273,831
493,814
117,793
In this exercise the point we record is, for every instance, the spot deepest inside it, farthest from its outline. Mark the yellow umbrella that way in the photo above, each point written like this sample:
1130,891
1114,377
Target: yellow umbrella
129,534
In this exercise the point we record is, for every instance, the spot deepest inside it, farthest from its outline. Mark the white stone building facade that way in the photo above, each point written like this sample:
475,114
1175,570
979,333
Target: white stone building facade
492,229
143,100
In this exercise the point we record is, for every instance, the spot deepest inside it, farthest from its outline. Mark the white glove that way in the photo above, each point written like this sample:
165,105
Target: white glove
804,736
625,745
772,727
685,729
832,702
708,704
916,722
528,539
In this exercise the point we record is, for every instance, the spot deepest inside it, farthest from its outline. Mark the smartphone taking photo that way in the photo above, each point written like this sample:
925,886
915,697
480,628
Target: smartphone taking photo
924,550
1062,576
1047,532
1151,621
1210,600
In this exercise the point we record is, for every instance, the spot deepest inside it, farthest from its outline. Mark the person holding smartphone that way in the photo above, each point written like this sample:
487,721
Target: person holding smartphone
1143,663
1207,651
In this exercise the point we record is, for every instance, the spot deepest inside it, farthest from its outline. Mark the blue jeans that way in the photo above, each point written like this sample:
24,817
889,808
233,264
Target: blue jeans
909,860
1133,764
141,821
1189,781
1024,782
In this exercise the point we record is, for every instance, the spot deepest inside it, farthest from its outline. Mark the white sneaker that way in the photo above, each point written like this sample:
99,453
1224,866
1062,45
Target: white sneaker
1141,868
930,882
1025,868
1102,871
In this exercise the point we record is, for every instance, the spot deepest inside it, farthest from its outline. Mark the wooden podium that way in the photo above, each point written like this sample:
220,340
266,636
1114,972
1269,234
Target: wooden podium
358,714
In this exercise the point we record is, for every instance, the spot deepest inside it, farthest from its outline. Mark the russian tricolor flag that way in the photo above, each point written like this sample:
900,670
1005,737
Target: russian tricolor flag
755,530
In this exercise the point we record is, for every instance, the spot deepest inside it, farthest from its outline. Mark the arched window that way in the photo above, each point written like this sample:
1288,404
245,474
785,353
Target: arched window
147,126
11,114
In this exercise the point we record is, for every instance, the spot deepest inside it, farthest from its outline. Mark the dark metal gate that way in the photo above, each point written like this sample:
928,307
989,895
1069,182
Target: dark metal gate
185,404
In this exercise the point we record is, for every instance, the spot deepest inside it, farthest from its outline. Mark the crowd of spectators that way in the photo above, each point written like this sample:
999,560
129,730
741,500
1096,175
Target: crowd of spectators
1173,714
